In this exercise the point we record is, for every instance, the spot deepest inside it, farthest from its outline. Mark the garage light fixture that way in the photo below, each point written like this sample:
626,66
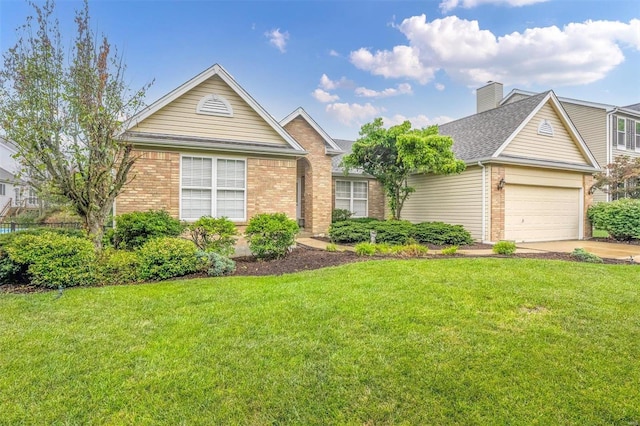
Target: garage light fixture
501,183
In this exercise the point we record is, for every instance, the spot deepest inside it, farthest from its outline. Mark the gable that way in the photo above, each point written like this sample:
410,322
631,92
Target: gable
535,140
237,121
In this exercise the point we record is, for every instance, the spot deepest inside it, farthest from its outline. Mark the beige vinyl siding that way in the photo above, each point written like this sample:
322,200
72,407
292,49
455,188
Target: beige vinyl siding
559,147
542,177
591,123
454,199
179,118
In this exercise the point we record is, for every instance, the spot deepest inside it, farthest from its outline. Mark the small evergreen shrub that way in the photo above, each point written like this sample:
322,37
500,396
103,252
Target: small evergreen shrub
167,257
214,235
365,249
338,215
53,260
439,233
350,231
134,229
621,218
216,264
507,248
584,256
395,232
270,235
117,267
449,251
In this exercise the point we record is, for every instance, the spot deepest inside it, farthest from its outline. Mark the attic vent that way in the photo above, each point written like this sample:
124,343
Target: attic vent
214,105
545,128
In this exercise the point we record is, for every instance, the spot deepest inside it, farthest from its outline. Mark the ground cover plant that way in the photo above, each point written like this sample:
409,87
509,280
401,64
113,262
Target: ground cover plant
452,341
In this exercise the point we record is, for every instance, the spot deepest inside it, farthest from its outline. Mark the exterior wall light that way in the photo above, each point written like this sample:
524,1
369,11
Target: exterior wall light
501,184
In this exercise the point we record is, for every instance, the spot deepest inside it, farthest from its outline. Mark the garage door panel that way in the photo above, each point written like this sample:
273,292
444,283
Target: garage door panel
539,213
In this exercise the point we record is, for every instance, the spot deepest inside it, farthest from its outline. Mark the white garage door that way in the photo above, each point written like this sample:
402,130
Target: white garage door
541,213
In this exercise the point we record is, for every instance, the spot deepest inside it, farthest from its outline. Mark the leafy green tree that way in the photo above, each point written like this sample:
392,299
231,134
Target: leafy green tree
65,114
392,155
621,178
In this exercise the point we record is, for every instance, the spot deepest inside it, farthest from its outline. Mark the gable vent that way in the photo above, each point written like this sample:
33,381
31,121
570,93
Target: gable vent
214,105
545,128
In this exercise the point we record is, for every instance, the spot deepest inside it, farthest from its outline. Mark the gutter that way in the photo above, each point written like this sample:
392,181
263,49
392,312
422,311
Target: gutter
484,201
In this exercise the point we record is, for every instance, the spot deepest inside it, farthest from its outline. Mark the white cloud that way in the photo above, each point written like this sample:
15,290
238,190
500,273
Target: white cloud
448,5
403,89
323,96
333,53
278,39
327,84
353,113
418,121
578,53
439,86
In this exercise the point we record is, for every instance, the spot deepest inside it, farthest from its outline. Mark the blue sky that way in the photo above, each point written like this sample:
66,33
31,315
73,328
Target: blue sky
347,62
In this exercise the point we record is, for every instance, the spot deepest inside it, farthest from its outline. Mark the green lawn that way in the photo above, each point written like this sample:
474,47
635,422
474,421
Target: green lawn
452,341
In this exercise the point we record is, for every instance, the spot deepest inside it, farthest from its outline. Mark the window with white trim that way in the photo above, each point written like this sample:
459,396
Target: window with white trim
352,196
637,137
621,131
3,189
213,187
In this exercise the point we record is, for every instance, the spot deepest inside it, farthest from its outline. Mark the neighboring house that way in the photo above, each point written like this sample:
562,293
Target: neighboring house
208,148
527,179
13,192
609,131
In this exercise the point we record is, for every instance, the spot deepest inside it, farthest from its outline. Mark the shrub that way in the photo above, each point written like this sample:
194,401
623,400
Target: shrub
214,235
53,260
134,229
117,267
332,247
449,251
216,264
395,232
338,215
167,257
439,233
621,218
504,247
270,235
411,250
365,249
584,256
350,231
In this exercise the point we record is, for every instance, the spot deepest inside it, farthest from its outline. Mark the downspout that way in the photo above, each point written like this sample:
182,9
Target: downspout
484,199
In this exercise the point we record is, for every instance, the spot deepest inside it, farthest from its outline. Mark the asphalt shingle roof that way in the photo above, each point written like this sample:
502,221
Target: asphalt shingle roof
480,135
344,145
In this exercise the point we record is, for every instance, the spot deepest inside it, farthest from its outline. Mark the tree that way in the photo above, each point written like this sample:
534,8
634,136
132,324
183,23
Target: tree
392,155
65,115
621,178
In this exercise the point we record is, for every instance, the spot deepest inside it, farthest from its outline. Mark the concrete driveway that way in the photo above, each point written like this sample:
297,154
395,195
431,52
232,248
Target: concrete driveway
608,250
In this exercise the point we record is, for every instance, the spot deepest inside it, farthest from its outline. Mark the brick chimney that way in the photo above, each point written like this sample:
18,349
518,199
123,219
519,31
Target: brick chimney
489,96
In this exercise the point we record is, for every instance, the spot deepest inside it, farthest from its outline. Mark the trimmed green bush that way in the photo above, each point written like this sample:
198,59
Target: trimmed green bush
350,231
134,229
214,235
395,232
117,267
338,215
621,218
365,249
53,260
440,234
167,257
449,251
584,256
270,235
216,264
507,248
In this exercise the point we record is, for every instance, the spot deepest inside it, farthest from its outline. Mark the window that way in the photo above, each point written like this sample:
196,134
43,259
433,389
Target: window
3,189
214,105
352,196
621,132
637,134
213,187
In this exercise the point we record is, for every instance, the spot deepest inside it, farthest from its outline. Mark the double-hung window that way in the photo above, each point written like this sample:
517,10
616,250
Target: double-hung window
213,187
621,132
3,189
352,196
637,135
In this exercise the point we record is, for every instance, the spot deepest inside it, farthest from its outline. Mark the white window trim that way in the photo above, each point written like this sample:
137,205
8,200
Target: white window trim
636,135
352,198
3,190
621,146
214,188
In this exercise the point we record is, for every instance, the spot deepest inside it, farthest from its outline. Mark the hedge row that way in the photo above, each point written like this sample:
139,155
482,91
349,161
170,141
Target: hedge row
621,218
398,232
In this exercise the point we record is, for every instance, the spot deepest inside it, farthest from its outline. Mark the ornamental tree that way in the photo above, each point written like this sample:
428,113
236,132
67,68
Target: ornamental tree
392,155
621,178
65,114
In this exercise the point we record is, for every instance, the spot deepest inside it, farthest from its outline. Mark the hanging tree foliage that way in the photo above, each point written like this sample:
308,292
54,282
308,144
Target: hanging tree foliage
65,114
621,178
392,155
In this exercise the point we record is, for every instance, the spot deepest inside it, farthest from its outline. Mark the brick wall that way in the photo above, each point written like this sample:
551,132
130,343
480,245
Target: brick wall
271,186
376,200
154,185
588,200
316,168
497,204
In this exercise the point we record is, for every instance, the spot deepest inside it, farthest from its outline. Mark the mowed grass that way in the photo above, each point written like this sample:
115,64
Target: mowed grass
457,341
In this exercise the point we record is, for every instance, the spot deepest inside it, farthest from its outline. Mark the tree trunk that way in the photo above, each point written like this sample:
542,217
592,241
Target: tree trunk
94,225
